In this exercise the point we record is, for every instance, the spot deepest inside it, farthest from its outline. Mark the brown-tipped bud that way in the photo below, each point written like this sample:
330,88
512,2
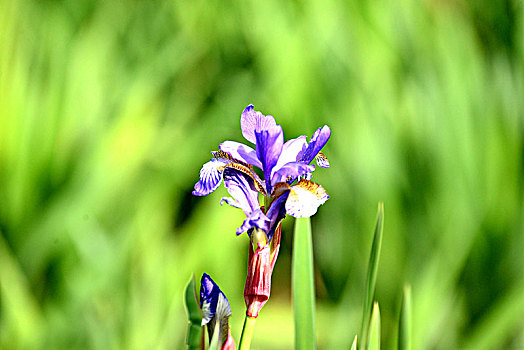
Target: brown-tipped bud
258,281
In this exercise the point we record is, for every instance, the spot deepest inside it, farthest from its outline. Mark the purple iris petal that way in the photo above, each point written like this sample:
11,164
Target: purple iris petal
318,140
241,152
252,120
212,300
256,219
210,177
231,202
290,152
241,188
292,171
269,147
276,212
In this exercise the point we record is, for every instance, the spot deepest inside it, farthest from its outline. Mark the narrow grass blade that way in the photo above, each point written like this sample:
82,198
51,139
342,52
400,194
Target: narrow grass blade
372,274
404,326
374,329
194,329
354,345
303,285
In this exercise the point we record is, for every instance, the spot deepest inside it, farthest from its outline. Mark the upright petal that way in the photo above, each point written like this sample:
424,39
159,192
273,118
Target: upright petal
252,120
241,152
304,199
269,147
290,152
210,176
241,187
319,139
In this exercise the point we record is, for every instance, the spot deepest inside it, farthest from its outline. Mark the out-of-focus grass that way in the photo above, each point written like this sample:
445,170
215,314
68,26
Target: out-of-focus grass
108,109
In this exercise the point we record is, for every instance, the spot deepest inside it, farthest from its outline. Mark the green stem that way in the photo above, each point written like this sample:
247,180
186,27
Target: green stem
247,333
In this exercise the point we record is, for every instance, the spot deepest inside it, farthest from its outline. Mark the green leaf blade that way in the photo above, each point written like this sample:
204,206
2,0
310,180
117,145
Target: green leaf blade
404,327
354,345
372,274
374,329
303,284
194,330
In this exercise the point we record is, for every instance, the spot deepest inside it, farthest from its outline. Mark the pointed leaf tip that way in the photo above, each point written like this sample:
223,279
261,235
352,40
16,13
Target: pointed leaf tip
374,257
374,329
354,345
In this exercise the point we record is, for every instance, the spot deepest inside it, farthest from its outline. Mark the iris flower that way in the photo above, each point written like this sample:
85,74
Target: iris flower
286,188
286,167
215,308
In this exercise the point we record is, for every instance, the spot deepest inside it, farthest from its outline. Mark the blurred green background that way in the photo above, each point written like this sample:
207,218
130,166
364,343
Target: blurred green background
108,110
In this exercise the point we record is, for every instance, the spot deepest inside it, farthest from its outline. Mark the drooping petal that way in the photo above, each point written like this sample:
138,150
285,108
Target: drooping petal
318,140
241,152
290,151
269,147
252,120
248,171
241,187
256,219
304,199
291,171
210,176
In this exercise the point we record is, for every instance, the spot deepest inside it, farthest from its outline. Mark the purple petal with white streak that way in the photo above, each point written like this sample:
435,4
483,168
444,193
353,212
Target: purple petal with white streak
210,177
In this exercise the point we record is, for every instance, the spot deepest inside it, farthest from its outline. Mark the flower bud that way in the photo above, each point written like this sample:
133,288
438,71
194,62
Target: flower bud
262,257
258,281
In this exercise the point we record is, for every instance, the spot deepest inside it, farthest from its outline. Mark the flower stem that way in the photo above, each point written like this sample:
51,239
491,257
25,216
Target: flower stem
247,333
